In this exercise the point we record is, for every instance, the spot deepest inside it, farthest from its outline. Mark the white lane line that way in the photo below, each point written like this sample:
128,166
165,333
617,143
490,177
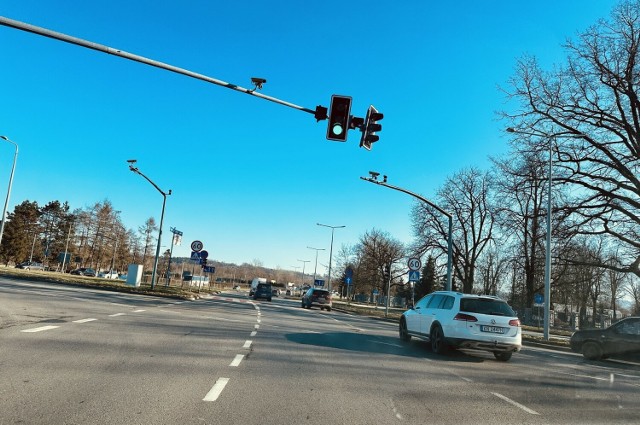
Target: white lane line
117,314
384,343
84,320
253,333
256,327
138,311
247,344
237,360
515,403
216,390
40,329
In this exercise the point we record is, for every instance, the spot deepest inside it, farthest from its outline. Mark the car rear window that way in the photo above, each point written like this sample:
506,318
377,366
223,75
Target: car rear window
486,306
264,286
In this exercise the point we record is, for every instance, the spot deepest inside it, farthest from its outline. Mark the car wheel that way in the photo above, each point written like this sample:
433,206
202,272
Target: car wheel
269,299
437,340
503,356
302,305
404,333
328,308
592,351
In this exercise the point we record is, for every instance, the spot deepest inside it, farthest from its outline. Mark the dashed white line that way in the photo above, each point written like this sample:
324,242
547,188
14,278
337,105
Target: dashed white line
256,327
237,360
253,333
40,329
84,320
216,390
515,403
258,320
247,344
138,311
117,314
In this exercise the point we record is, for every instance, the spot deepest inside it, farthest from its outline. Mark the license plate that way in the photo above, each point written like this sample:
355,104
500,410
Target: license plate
492,329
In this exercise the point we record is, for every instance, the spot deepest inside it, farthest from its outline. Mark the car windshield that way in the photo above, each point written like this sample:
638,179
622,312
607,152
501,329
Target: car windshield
486,306
301,212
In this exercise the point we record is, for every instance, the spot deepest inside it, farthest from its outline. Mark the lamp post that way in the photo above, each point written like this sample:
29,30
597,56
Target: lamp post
331,249
304,263
374,179
6,202
547,257
315,270
177,234
164,201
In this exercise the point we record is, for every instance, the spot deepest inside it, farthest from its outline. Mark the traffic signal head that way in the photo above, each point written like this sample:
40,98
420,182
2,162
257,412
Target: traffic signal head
339,118
370,128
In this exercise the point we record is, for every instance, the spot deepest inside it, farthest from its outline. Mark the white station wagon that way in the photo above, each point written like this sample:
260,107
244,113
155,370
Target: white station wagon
454,320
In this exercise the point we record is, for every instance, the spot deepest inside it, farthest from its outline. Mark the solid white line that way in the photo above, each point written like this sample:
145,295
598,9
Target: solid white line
237,360
138,311
117,314
216,390
43,328
253,333
84,320
515,403
247,344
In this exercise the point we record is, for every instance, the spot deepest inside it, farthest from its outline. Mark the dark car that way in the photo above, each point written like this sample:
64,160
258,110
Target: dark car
84,271
263,290
622,337
30,265
318,298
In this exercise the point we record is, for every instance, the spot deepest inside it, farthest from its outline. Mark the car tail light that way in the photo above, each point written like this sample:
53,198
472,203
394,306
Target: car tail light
514,322
465,317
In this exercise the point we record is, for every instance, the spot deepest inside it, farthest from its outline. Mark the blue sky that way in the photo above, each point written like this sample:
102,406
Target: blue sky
251,178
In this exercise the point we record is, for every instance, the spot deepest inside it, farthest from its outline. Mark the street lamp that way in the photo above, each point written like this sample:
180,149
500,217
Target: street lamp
304,263
331,249
177,234
6,202
374,179
164,201
316,268
547,257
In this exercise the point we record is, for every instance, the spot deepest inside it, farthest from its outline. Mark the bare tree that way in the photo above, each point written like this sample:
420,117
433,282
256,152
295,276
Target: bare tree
589,110
466,197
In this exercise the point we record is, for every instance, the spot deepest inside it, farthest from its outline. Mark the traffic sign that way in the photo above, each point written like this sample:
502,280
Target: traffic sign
414,264
204,255
414,276
318,282
349,272
209,269
347,280
195,256
197,246
538,300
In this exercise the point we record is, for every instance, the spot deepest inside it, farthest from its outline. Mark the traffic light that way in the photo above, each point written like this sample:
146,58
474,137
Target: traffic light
339,118
387,272
370,128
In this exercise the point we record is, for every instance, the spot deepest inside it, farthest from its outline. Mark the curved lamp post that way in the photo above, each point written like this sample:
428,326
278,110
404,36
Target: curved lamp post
6,202
164,201
331,249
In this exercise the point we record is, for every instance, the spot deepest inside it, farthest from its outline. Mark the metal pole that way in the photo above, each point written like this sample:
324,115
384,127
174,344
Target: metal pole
426,201
66,249
316,268
155,261
331,249
547,264
6,202
304,263
117,52
386,311
174,231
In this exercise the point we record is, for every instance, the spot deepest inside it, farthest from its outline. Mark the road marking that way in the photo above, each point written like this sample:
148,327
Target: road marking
385,343
237,360
84,320
117,314
515,403
138,311
43,328
256,327
216,390
247,344
258,320
253,333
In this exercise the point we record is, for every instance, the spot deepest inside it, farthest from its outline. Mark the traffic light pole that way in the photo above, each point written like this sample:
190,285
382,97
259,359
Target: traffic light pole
116,52
374,179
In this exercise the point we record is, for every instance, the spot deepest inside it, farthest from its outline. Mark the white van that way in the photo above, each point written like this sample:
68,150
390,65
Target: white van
254,284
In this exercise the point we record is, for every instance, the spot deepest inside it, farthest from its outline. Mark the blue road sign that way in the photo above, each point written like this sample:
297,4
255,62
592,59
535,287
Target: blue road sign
204,254
349,272
318,282
375,292
538,299
195,256
347,280
209,269
414,276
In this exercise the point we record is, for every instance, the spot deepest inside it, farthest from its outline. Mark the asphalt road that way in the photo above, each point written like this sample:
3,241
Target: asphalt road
80,356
